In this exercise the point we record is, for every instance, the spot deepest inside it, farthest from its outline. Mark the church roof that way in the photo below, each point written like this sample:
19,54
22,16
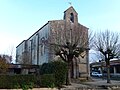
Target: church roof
71,7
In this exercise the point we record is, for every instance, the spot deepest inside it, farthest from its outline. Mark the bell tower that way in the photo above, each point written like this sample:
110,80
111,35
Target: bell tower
70,15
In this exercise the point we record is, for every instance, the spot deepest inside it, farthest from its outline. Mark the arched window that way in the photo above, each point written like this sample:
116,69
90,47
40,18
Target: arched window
72,17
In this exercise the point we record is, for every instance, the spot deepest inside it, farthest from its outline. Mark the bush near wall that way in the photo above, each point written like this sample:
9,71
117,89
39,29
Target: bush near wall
17,81
58,69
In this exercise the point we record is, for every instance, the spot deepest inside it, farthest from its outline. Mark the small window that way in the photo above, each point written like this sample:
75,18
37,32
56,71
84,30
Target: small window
72,17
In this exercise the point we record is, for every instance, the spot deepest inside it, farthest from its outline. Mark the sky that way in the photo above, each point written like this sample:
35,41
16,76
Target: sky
19,19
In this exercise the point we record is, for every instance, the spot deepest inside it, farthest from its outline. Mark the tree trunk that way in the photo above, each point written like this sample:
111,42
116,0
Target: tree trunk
102,73
108,71
68,75
108,74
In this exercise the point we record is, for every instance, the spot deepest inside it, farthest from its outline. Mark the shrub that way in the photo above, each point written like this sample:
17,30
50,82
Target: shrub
46,68
3,65
58,69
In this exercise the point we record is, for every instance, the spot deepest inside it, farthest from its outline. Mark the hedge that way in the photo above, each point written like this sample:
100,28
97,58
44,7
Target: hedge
52,74
47,80
17,81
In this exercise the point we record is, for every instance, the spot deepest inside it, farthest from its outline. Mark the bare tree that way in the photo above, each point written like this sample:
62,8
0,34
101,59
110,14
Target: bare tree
108,44
69,43
11,53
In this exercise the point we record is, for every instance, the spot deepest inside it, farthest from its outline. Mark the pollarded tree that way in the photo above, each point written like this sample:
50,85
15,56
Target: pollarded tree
69,43
108,44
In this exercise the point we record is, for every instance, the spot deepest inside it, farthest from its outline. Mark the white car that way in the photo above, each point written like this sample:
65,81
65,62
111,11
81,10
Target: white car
96,74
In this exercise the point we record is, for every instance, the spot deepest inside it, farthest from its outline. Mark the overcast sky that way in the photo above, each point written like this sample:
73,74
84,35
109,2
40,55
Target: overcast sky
19,19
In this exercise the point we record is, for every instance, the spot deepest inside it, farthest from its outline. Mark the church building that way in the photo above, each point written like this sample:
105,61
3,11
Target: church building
36,49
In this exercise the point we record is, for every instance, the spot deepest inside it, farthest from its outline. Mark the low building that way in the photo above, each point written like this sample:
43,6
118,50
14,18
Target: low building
22,69
101,67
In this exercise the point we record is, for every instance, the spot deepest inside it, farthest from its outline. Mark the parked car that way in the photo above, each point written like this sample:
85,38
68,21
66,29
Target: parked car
96,74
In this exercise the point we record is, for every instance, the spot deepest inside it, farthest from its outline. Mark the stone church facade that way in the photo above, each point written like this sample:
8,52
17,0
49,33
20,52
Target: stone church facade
36,50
